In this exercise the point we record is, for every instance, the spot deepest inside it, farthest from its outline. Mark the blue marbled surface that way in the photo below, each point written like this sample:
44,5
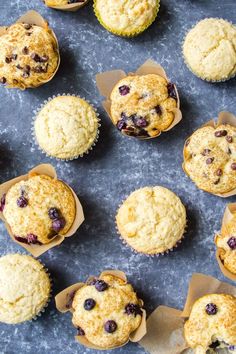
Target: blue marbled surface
117,165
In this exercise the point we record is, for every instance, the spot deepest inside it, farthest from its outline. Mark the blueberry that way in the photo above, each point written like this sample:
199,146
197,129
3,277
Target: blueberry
2,202
80,331
132,309
124,90
21,239
171,91
110,326
3,80
158,110
22,202
232,243
70,298
220,133
31,238
214,344
101,285
89,304
121,125
211,309
233,166
58,224
53,213
232,347
140,122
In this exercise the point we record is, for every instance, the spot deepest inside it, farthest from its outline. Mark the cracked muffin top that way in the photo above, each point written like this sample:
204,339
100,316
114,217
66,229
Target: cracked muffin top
210,158
24,288
152,220
106,311
210,49
29,55
66,127
62,2
38,209
143,106
211,324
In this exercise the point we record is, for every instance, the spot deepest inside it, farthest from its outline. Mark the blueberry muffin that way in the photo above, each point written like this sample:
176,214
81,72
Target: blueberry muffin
106,311
126,18
24,288
66,127
210,158
29,55
152,220
38,209
210,49
226,243
62,2
143,106
211,324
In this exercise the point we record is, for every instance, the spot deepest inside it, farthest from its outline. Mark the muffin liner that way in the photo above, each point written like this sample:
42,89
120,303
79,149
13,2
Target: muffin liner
36,112
127,34
70,7
228,215
147,254
62,298
165,326
34,18
106,81
185,60
223,118
37,250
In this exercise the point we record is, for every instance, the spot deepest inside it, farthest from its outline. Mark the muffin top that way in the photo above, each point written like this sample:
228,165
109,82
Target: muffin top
38,209
210,49
66,127
28,57
210,158
212,323
106,311
24,288
152,220
226,242
61,2
143,106
126,17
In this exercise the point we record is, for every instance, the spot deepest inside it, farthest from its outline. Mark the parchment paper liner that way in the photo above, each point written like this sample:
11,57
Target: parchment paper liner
61,300
165,326
187,64
107,80
36,112
228,215
37,250
70,7
34,18
223,118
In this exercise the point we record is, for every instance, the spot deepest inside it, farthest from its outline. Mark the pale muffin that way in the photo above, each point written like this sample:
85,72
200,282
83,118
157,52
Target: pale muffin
212,323
106,311
24,288
143,106
29,55
38,209
210,49
226,243
126,17
66,127
210,158
152,220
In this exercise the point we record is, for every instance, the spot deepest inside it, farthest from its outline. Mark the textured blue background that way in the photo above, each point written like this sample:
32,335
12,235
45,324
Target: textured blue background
117,165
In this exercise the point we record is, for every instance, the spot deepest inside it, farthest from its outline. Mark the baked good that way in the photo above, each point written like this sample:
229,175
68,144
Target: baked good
106,311
226,243
29,55
24,288
62,2
209,49
152,220
126,18
38,209
143,106
210,159
66,127
211,323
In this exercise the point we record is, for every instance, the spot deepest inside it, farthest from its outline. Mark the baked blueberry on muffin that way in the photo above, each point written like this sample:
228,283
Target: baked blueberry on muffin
29,55
66,127
126,18
38,209
152,220
143,106
210,49
106,311
211,324
210,158
24,288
